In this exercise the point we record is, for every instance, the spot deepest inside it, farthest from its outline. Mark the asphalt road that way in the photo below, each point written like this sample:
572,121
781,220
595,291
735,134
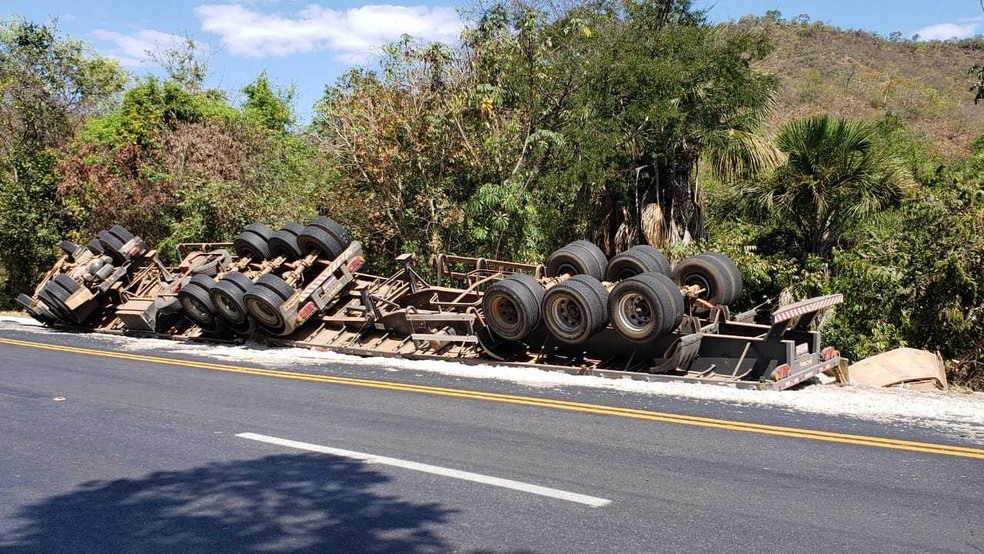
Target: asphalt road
119,452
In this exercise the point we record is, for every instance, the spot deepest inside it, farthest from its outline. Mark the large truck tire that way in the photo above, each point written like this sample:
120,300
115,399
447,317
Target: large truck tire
96,247
55,295
512,306
635,261
333,228
227,298
575,309
253,242
264,299
284,242
66,282
710,275
197,303
577,258
111,245
315,239
645,307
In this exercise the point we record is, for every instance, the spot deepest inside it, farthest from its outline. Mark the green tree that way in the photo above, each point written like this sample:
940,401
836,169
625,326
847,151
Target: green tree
268,105
400,143
572,120
915,278
664,90
185,64
175,162
834,178
175,165
48,86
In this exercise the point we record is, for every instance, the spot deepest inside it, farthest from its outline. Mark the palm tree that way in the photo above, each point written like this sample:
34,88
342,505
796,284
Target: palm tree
731,154
834,177
701,102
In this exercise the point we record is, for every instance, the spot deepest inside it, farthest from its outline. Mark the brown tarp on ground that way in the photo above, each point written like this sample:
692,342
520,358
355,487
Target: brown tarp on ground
909,367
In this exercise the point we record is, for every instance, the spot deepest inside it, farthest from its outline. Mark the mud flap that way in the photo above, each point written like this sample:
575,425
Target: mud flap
498,348
679,355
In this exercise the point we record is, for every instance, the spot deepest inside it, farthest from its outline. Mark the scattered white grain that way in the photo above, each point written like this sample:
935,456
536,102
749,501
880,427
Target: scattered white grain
956,414
20,320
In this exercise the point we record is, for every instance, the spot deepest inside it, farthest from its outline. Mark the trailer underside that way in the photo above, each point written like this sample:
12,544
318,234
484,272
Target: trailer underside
327,304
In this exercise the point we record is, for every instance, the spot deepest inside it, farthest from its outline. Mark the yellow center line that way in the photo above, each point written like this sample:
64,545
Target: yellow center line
665,417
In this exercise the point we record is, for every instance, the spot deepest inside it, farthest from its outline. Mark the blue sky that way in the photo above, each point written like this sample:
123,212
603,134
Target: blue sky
308,43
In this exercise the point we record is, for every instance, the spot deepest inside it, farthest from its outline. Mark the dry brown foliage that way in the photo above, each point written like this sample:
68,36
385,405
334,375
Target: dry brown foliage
858,75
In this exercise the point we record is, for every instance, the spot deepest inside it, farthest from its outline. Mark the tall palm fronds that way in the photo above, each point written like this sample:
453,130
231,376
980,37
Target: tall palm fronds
834,176
736,150
738,154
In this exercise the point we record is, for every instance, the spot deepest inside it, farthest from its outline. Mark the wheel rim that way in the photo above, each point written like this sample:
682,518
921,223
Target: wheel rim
634,315
197,311
700,281
506,316
265,314
228,307
567,315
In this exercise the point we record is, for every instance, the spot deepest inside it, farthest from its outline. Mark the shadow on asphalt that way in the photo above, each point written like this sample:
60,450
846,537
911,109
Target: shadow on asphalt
288,503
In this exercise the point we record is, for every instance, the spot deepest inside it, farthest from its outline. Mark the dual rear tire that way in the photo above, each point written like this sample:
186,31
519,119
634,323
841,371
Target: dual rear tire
645,306
512,306
324,236
575,309
264,300
635,261
284,242
253,242
715,274
195,298
236,298
111,242
227,299
55,295
580,257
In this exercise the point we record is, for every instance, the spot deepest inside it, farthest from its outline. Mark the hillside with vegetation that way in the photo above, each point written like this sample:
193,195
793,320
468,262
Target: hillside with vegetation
821,160
860,75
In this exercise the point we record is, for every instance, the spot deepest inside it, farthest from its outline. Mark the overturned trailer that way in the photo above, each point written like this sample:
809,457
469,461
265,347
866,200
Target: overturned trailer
632,316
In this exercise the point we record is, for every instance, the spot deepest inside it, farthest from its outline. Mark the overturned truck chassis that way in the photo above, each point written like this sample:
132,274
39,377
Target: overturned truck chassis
117,285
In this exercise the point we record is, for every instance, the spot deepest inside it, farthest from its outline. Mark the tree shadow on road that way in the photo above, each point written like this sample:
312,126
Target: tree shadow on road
285,503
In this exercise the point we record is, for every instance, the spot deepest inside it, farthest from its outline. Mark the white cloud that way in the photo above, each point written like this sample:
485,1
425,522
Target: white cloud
351,35
131,50
946,31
